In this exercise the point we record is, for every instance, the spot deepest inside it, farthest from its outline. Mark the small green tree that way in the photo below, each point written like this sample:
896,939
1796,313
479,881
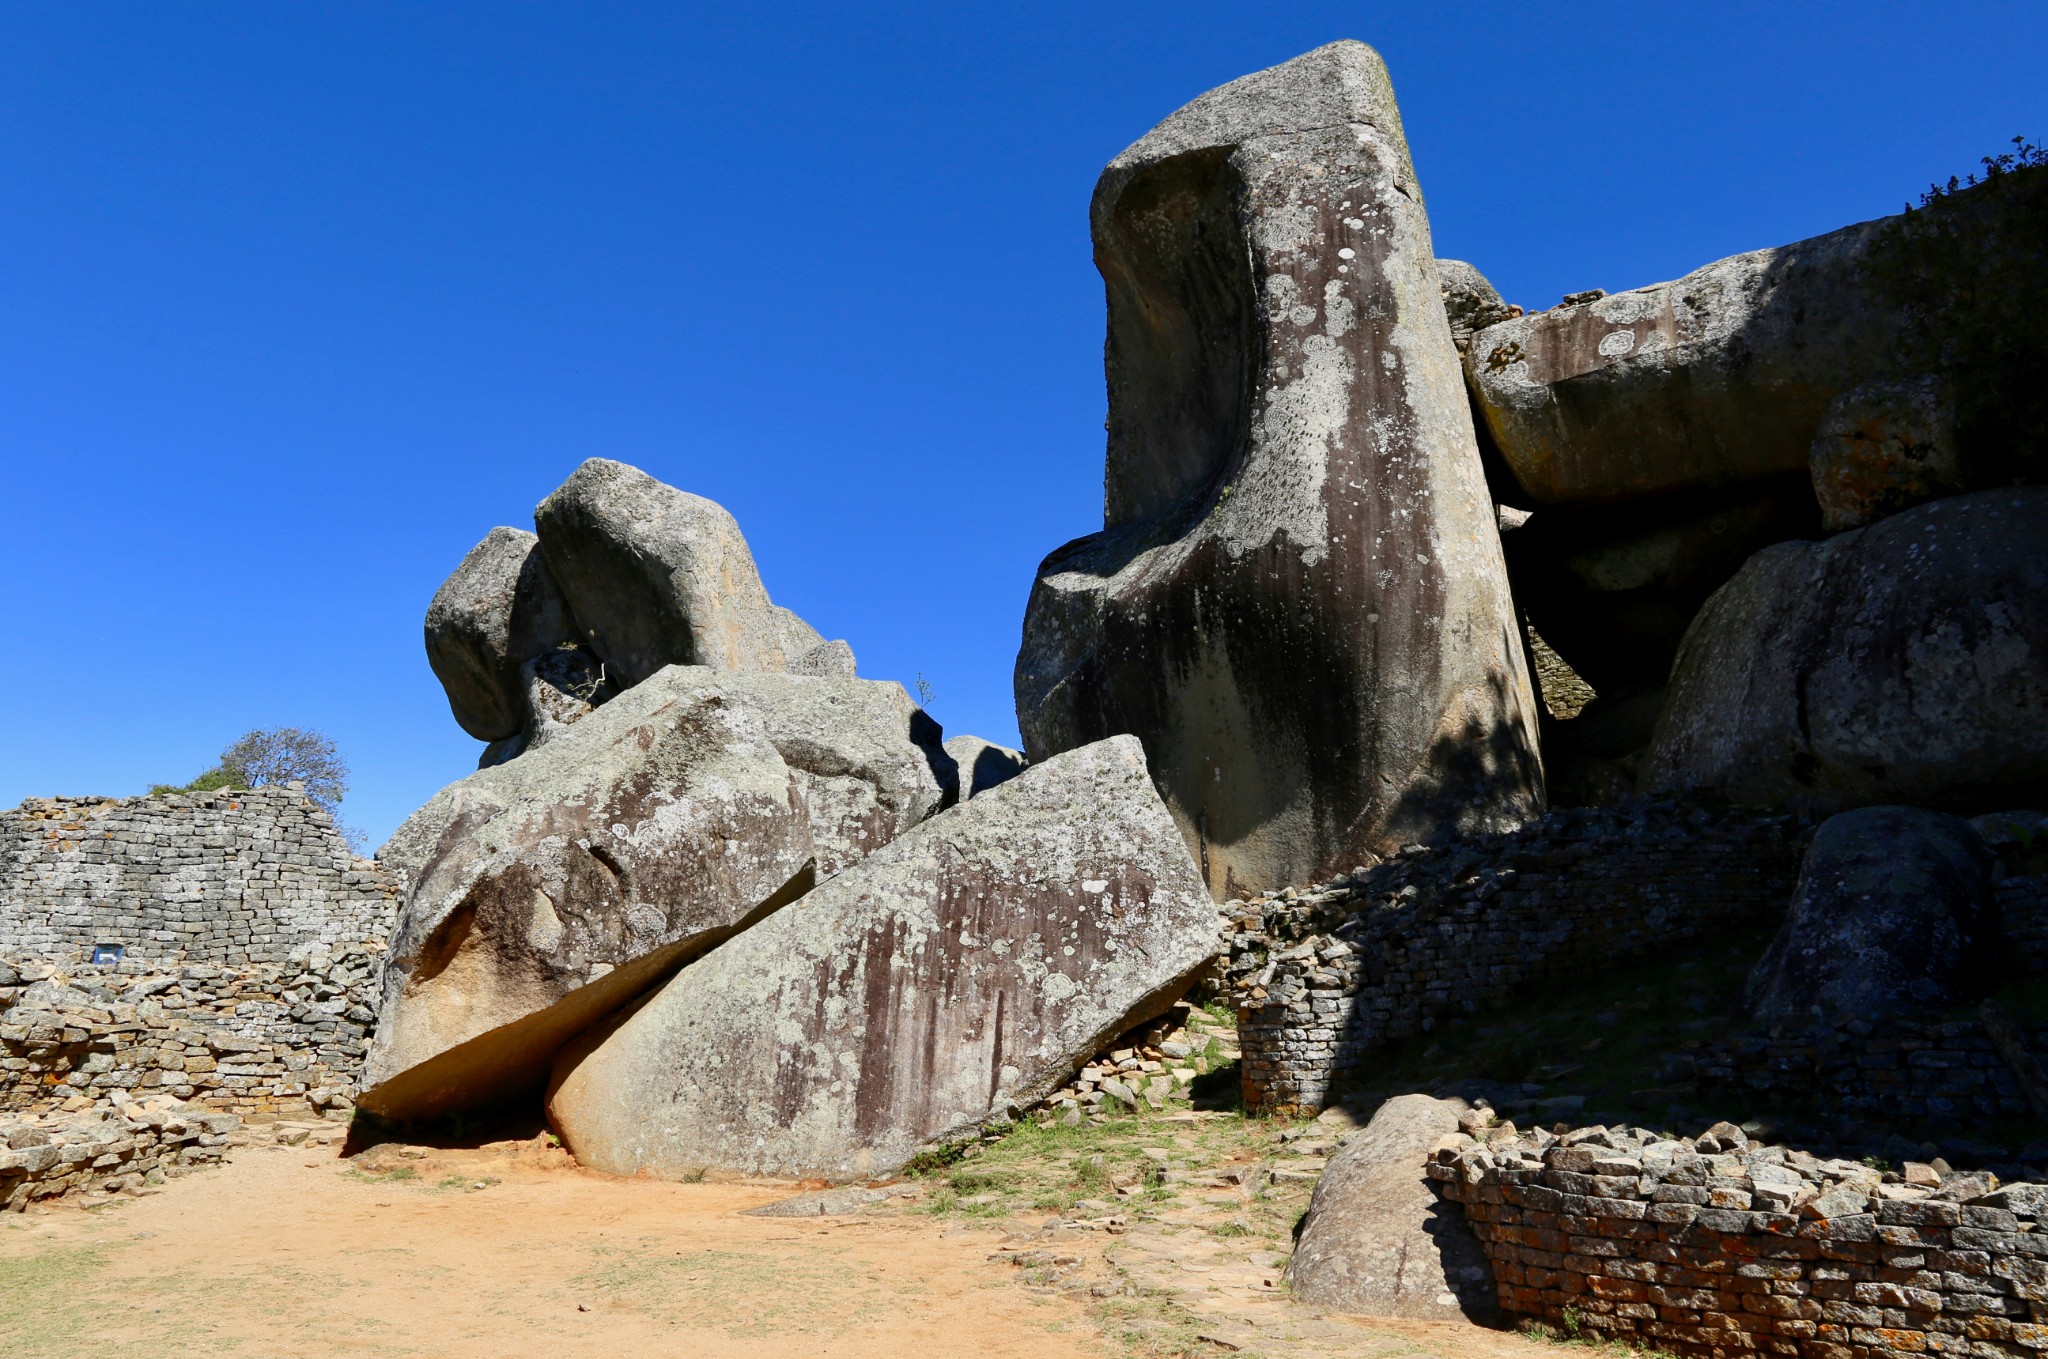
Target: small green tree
274,757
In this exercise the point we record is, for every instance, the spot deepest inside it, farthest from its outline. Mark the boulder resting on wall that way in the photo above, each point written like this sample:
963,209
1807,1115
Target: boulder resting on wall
964,970
1712,379
547,891
1377,1241
500,608
1905,662
1892,905
1297,602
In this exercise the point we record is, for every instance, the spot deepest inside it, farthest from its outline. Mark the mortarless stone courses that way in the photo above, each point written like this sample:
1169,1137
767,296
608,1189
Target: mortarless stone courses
1715,1246
1323,978
226,878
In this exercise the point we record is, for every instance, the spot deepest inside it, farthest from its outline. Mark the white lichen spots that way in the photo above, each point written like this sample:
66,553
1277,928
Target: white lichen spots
1058,988
1617,342
1302,315
1094,885
1347,253
1623,309
1354,223
1338,307
1388,361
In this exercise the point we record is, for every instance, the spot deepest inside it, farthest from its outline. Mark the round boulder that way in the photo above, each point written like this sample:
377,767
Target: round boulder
1891,905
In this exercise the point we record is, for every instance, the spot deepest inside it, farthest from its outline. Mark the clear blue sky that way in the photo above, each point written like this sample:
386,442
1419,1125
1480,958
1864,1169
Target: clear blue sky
297,301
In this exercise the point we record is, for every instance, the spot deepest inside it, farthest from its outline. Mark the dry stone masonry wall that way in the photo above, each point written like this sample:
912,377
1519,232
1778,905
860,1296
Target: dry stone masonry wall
269,1040
228,878
1717,1246
1323,978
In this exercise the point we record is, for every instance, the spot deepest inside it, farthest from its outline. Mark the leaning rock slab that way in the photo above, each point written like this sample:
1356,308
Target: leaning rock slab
982,765
1298,601
500,609
656,576
1377,1241
963,971
1906,662
1892,904
1715,378
547,891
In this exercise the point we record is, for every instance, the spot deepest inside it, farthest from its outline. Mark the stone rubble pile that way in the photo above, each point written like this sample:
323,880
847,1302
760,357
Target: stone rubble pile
267,1039
1151,1067
120,1147
1716,1244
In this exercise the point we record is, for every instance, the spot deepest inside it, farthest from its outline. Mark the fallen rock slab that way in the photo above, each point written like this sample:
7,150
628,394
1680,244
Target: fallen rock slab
548,891
1377,1241
1905,662
959,973
1715,378
1297,601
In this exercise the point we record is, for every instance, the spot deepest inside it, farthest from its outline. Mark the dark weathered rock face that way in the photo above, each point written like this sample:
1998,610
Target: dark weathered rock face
964,970
656,576
1892,902
1297,602
1614,587
1716,378
1885,447
499,609
1906,662
1377,1241
547,891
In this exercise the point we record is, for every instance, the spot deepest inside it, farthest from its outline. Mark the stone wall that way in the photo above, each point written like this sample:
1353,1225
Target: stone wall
1714,1246
1324,977
269,1039
1947,1071
227,878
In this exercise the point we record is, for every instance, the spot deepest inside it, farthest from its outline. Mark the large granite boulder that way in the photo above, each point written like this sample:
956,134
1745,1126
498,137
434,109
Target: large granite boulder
1297,601
963,971
1905,662
1377,1241
500,609
547,891
1884,447
1892,906
656,576
1715,378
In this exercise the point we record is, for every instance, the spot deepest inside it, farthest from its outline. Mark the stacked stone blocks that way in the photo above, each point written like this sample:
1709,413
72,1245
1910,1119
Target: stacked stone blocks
1322,979
228,878
1724,1250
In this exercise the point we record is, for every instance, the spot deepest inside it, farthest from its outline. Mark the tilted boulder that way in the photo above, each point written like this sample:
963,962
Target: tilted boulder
1906,662
500,609
1715,378
1892,904
1297,601
963,971
656,576
1377,1241
547,891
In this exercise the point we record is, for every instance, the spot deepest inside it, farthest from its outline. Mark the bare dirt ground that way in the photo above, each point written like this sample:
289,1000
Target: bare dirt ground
512,1251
